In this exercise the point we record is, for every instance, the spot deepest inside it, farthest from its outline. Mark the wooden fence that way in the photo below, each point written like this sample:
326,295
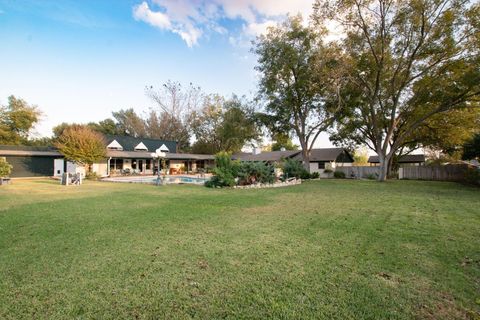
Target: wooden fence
359,172
454,172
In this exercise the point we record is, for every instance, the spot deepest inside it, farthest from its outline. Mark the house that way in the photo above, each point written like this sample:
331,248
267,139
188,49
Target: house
403,161
123,154
320,159
31,161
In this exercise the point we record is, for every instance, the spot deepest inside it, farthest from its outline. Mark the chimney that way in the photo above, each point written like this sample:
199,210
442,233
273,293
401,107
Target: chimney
257,150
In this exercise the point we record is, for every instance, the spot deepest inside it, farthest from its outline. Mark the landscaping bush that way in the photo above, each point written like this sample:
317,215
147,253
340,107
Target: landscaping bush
255,172
225,171
328,171
92,176
472,176
372,176
315,175
339,174
294,169
5,168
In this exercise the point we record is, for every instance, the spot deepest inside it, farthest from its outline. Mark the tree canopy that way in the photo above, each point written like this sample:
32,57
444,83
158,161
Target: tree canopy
16,121
223,125
402,62
293,63
81,144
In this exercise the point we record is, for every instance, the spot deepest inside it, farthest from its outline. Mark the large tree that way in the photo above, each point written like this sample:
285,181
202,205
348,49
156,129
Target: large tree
223,125
129,123
292,64
81,144
16,121
175,103
471,149
404,61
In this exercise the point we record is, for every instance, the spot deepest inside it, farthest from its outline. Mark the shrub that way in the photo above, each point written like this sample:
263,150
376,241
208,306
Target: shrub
328,171
339,174
294,169
92,176
255,172
371,176
225,171
315,175
5,168
472,176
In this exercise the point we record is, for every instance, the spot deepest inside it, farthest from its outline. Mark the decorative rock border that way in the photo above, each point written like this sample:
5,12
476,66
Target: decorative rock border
270,185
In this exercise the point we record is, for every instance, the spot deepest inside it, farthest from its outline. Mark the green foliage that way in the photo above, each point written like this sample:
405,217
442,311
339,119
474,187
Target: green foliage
90,175
471,149
130,123
224,172
107,126
16,121
5,168
293,168
314,175
472,176
223,125
283,141
328,171
81,144
447,132
255,172
372,176
293,69
339,174
402,63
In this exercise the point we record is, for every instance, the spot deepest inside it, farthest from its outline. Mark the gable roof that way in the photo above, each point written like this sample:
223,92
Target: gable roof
409,158
28,151
322,154
129,143
329,154
264,156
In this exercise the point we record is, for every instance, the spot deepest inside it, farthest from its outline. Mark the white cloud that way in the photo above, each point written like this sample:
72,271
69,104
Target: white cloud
192,18
157,19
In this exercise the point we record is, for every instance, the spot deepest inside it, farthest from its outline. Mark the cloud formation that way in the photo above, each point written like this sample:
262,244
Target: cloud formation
190,19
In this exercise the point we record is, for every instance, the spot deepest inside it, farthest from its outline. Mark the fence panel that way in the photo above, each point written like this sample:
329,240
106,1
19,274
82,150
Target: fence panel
438,173
359,172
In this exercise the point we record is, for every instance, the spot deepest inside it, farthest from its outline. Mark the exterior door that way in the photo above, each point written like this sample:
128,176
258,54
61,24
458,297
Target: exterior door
140,165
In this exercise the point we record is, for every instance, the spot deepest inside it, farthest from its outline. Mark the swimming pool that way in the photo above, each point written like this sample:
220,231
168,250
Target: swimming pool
153,180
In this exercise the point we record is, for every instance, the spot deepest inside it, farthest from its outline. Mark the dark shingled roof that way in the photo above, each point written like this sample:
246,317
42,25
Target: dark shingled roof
147,155
129,143
323,154
28,151
409,158
329,154
264,156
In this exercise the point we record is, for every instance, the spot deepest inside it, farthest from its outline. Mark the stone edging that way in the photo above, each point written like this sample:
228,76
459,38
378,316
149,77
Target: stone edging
270,185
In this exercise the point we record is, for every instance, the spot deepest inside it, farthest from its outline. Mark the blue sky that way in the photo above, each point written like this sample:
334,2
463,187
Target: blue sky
81,60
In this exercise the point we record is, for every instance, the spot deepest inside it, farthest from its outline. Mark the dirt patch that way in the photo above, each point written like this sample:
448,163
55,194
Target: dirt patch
446,308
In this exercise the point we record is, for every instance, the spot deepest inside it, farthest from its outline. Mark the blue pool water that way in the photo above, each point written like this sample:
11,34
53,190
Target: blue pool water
153,180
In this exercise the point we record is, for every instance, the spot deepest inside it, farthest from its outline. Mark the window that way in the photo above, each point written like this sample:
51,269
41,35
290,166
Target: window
141,147
321,165
148,164
114,145
134,164
116,164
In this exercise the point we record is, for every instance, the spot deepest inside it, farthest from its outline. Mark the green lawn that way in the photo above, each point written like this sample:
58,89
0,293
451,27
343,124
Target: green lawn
328,249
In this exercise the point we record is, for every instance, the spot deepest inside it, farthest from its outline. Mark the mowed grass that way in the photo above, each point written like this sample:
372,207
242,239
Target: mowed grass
328,249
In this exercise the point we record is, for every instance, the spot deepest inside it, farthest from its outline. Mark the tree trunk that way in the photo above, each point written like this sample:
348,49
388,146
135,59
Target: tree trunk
384,166
306,159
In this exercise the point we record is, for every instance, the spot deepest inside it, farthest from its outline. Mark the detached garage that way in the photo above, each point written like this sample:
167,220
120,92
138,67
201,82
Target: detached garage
30,161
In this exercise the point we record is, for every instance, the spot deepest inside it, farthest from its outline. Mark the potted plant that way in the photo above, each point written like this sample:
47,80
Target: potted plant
5,170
